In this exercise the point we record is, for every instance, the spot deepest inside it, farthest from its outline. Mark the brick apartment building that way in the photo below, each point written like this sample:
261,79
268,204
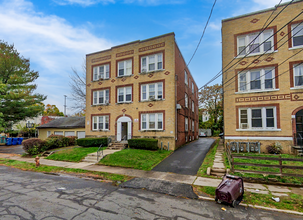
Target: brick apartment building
263,94
141,89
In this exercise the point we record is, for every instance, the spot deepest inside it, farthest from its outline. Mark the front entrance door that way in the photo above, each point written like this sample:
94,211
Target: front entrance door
124,131
299,127
124,128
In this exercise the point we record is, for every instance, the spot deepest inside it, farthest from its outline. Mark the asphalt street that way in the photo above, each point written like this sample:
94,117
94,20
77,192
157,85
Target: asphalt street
12,149
187,159
29,195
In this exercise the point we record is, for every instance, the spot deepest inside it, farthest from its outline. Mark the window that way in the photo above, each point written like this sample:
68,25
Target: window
152,62
192,88
185,77
124,94
186,124
101,72
193,106
152,121
152,91
193,125
253,44
101,97
298,74
258,118
297,35
125,68
257,79
186,100
100,122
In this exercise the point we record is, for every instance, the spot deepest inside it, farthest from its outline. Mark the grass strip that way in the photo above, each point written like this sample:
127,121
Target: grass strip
293,202
208,160
72,154
136,159
52,169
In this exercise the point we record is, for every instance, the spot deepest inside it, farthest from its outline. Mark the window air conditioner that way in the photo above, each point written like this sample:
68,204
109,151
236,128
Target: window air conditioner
106,102
244,125
152,98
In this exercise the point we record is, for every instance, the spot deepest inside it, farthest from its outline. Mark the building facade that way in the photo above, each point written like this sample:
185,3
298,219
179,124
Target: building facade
263,76
141,89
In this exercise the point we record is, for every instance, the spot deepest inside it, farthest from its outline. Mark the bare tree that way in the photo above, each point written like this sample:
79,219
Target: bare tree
78,89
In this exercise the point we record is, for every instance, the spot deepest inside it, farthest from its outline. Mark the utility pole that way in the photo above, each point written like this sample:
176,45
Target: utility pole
65,105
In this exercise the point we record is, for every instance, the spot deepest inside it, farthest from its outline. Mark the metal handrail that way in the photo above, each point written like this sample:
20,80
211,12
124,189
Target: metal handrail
301,138
98,152
124,137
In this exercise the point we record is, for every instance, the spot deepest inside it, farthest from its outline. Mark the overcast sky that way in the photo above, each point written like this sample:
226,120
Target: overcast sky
57,34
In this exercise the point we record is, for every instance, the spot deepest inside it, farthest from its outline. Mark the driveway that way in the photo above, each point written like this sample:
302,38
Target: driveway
187,159
12,149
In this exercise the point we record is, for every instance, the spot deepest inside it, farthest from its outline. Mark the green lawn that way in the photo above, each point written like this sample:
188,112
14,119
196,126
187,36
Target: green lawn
208,160
75,154
52,169
292,202
137,159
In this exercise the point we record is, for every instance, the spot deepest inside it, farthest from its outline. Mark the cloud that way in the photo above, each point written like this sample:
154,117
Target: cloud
52,44
82,2
140,2
269,3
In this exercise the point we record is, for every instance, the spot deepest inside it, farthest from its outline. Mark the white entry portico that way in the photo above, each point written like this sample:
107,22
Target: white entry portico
124,128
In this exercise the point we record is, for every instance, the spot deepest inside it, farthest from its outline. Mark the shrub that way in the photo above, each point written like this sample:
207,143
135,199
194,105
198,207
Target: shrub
275,148
72,140
33,146
143,143
92,142
56,141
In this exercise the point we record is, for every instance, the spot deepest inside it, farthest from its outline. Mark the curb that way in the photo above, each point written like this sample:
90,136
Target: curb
258,207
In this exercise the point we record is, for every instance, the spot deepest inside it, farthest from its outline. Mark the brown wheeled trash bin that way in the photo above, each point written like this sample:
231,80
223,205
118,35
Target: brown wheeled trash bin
230,190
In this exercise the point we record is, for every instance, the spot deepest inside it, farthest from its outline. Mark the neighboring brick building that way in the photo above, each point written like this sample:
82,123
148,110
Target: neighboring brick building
263,95
133,91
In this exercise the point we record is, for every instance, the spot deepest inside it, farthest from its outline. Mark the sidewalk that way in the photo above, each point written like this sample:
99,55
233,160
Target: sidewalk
171,177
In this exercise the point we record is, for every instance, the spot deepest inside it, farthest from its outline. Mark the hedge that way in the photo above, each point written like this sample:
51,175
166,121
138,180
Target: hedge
143,143
92,142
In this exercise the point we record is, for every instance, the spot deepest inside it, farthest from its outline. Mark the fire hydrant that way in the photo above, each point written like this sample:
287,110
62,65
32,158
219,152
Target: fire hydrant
37,159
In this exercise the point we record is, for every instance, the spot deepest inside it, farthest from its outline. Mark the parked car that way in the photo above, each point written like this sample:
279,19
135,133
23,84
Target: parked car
202,134
221,135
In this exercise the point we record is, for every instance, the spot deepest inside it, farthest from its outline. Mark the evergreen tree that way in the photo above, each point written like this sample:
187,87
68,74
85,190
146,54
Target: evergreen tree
18,100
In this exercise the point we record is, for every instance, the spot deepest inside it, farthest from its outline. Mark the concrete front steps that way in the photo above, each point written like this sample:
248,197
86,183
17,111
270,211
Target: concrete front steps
298,150
92,158
117,145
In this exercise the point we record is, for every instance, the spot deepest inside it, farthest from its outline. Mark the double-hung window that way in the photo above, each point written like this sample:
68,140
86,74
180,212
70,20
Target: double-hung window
152,121
186,100
152,91
125,68
255,43
101,72
186,124
256,80
193,106
298,74
152,62
193,125
124,94
185,77
263,118
297,35
101,97
100,122
192,88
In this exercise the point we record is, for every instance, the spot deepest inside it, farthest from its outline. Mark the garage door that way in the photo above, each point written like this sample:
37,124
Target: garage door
69,133
81,134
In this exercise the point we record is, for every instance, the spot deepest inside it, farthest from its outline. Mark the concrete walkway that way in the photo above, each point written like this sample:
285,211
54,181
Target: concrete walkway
171,177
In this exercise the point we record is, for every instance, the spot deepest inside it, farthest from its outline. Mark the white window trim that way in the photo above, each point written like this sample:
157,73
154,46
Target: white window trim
147,91
97,75
147,58
185,77
192,88
96,119
124,94
193,106
156,122
186,124
262,78
292,34
294,76
193,125
124,65
263,116
186,100
261,43
97,93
